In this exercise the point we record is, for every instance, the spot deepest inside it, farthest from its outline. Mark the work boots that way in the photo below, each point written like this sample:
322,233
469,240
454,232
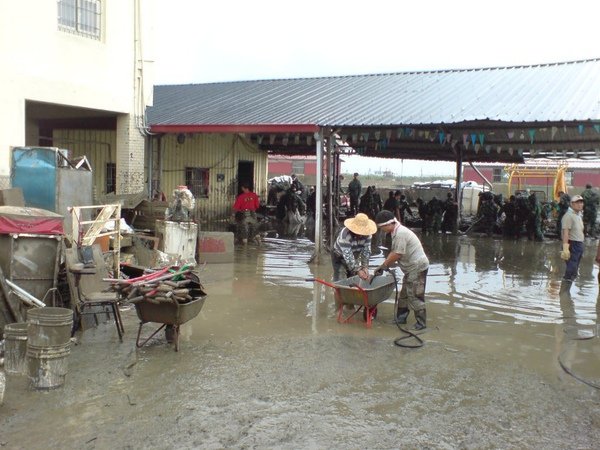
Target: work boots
401,315
421,317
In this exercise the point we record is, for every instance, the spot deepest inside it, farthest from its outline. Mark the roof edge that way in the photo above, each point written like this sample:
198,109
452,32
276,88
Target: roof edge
235,128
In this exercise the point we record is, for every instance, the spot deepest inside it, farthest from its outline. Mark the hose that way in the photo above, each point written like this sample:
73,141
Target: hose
409,334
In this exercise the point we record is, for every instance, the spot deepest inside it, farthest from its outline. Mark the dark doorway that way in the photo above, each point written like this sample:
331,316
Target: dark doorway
245,175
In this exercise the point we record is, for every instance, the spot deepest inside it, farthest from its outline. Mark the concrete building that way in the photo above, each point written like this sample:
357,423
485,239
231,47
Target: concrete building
76,74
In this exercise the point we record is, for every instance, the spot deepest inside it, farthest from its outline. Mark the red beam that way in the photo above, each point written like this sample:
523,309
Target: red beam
266,128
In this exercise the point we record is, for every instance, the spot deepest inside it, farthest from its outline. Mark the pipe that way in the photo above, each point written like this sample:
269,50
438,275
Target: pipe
482,176
25,296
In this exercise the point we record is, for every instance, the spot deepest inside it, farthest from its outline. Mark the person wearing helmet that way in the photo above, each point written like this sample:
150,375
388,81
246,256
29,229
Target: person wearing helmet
408,254
352,247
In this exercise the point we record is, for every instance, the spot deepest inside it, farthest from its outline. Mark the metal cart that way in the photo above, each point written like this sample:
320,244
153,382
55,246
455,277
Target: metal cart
366,294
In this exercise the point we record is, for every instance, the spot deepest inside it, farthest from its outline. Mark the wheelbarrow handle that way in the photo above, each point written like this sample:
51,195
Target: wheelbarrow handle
319,280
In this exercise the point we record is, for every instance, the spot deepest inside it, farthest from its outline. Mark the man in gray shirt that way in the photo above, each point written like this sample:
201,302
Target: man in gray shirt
407,252
572,240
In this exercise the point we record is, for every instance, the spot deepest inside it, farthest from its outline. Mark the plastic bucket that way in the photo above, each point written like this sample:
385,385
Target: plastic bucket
15,348
49,327
48,366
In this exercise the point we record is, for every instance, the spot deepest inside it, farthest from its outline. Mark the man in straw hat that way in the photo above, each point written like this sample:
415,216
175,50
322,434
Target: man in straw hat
572,240
407,252
352,248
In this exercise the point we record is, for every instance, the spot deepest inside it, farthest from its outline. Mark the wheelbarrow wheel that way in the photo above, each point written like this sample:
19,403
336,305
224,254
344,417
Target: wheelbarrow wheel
372,311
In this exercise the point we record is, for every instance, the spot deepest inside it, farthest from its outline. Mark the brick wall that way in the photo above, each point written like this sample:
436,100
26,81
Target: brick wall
130,156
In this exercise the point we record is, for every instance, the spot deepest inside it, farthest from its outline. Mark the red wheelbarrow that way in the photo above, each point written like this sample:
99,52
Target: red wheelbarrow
366,294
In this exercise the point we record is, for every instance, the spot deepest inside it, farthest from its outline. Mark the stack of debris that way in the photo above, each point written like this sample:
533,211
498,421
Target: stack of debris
167,285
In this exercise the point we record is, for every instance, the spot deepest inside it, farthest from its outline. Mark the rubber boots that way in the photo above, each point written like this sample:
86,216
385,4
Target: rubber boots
401,315
421,317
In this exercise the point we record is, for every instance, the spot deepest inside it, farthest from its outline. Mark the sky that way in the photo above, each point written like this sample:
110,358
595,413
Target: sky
234,40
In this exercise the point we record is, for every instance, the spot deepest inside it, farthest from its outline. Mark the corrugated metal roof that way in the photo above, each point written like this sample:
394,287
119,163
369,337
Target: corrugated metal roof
567,91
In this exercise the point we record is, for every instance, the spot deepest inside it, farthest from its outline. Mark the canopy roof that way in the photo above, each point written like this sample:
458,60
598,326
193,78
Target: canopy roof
493,114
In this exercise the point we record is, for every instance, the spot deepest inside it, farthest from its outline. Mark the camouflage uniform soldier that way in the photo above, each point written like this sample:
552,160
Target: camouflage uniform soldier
534,221
450,214
423,214
563,206
590,210
436,208
509,209
489,213
521,214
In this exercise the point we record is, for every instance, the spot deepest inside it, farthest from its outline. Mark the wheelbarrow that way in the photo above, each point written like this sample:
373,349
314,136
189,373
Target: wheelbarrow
366,294
171,314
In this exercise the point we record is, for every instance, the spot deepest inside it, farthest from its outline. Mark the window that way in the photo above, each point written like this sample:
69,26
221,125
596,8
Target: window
298,167
196,179
111,178
80,17
497,175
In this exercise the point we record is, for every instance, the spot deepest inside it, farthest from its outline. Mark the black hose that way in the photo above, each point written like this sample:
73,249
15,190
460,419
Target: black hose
409,334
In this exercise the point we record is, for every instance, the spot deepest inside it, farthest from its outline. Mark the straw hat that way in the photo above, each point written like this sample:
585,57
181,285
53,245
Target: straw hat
361,224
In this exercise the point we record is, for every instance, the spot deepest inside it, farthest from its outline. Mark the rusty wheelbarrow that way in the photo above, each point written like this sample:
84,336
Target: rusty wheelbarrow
170,314
366,294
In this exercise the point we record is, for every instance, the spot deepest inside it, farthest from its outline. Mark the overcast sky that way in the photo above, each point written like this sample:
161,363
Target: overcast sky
201,42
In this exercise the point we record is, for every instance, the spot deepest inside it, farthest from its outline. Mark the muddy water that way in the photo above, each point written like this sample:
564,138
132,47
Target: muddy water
266,365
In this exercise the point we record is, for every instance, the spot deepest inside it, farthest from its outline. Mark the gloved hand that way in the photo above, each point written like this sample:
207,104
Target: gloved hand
380,269
565,253
363,273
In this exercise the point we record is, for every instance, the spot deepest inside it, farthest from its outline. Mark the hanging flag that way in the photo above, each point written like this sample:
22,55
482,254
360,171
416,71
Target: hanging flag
553,132
510,134
448,137
309,139
477,146
531,135
510,151
597,127
481,138
377,135
465,140
488,148
581,128
520,151
297,139
499,149
388,135
426,133
272,138
365,136
473,138
442,137
285,140
355,137
398,133
259,139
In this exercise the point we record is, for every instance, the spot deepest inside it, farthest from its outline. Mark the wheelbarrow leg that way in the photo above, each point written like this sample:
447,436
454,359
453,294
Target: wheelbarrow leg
176,337
137,341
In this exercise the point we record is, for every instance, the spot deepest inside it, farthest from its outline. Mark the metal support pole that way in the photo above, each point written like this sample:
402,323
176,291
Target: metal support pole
330,143
459,192
319,200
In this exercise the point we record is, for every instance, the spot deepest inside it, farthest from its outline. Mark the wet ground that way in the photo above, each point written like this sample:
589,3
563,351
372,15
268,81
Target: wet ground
266,365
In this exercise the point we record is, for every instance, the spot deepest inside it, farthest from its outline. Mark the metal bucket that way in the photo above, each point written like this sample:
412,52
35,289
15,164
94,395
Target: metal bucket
15,348
48,366
49,326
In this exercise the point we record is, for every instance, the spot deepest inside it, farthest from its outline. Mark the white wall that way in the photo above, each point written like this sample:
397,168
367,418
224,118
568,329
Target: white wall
43,64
